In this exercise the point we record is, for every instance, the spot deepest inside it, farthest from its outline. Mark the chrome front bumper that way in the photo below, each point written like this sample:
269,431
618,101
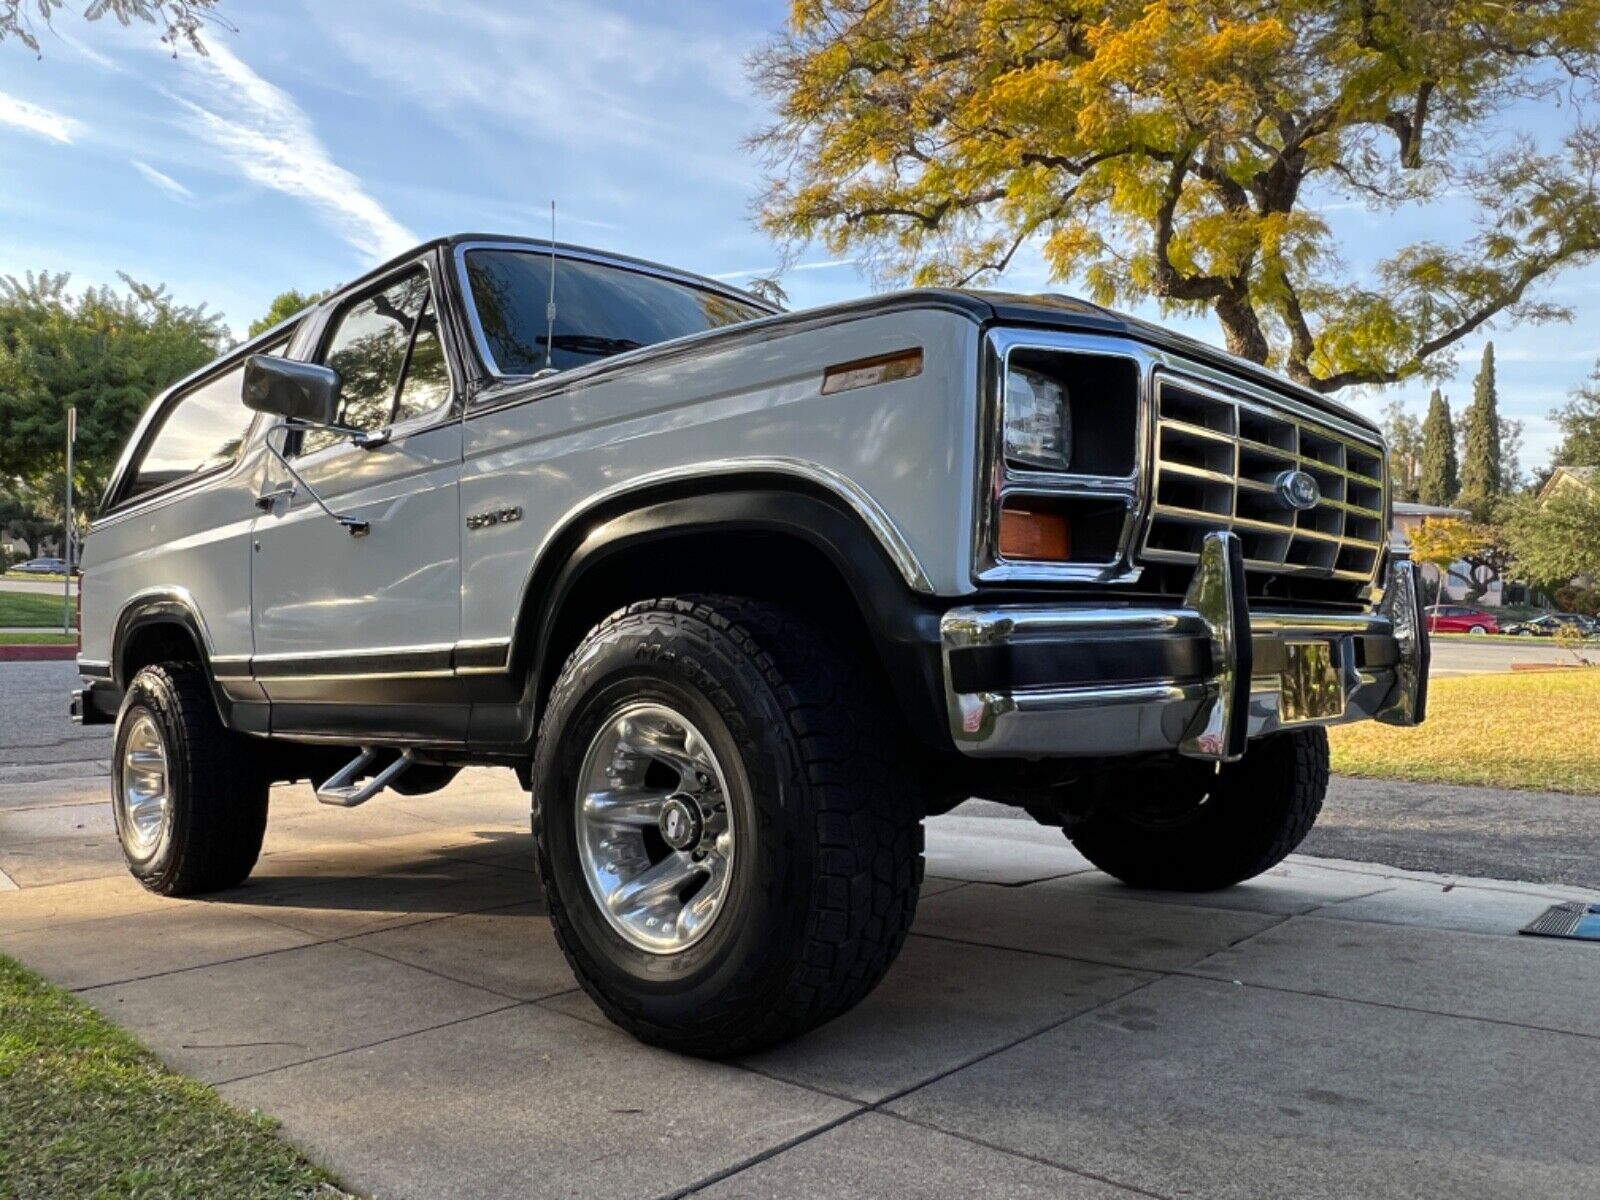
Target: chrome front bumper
1201,679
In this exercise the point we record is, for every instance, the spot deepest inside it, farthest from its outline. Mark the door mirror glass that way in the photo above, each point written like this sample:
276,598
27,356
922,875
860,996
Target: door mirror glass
300,391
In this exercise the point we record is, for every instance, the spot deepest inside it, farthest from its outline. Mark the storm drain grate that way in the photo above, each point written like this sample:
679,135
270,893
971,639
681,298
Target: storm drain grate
1573,919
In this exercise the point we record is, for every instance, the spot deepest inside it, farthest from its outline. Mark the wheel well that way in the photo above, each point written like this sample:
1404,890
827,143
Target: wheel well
158,641
760,565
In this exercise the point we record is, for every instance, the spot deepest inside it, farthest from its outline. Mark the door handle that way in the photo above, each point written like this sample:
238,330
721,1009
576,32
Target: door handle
266,501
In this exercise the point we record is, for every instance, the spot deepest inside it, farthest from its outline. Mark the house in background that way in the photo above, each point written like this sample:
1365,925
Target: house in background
1408,516
1583,479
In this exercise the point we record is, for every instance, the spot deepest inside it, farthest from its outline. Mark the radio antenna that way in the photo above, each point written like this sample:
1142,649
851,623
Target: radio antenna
550,307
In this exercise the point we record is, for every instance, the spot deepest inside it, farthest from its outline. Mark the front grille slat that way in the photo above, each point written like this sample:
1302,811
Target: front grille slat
1217,461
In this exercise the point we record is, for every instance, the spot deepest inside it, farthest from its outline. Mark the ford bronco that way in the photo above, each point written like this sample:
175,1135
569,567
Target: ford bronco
742,596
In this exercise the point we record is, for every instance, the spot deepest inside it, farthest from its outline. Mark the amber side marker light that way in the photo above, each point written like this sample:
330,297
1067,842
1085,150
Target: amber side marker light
1036,536
864,372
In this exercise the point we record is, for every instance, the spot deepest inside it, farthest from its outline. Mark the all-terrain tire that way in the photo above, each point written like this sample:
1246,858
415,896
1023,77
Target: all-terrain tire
1238,822
828,865
217,793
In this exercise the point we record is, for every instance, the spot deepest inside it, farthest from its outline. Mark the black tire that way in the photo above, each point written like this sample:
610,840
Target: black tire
217,792
1193,830
824,887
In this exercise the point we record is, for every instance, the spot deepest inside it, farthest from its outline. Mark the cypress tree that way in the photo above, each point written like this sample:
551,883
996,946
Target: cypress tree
1440,484
1480,467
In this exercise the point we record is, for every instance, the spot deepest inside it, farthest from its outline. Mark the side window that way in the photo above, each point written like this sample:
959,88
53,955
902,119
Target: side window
202,431
387,352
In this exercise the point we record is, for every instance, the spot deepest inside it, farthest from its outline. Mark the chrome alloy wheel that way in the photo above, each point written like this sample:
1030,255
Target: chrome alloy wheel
145,795
655,828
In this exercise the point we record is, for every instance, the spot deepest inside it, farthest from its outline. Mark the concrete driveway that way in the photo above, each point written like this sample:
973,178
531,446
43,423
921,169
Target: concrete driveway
387,986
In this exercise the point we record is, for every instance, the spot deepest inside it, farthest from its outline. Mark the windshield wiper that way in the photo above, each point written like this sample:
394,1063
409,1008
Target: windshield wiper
589,343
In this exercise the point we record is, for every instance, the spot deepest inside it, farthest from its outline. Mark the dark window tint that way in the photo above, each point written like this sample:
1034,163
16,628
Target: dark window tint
427,381
600,310
203,430
369,350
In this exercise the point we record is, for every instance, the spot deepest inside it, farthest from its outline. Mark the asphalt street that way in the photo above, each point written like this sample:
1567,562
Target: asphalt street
1534,836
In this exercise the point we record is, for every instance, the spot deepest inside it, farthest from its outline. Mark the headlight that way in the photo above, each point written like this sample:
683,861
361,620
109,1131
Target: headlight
1038,420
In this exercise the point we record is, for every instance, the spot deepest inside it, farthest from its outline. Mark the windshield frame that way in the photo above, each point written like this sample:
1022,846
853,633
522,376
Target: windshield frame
480,340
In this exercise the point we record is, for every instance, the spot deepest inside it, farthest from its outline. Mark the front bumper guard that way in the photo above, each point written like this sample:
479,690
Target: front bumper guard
1252,674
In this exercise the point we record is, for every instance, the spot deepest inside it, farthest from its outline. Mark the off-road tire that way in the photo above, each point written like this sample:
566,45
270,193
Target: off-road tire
1255,813
218,792
826,876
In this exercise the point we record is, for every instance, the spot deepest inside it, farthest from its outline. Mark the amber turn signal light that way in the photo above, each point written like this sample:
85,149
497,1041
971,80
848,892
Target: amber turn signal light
1037,536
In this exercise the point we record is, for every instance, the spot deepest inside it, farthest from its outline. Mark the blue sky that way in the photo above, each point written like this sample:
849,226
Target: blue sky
322,137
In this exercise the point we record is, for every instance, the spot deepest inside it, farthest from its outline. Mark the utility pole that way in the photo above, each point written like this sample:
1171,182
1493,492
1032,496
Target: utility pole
66,528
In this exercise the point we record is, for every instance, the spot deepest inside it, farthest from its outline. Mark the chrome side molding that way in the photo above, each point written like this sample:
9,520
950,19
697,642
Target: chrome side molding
1220,731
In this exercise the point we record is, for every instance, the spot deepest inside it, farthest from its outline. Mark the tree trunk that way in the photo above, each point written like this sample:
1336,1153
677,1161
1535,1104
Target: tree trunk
1242,327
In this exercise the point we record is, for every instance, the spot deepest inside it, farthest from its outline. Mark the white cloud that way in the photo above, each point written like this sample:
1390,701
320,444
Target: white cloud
30,118
260,129
163,181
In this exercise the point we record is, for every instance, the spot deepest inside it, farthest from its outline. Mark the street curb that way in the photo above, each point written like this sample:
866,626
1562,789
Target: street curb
38,653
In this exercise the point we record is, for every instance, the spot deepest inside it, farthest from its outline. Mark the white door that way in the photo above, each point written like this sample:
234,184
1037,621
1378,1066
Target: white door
354,634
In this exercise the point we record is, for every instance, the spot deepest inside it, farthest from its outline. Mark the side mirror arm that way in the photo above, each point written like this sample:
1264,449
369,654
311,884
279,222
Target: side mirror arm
352,526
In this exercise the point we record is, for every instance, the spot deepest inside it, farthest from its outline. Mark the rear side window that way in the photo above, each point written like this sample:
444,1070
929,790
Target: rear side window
201,432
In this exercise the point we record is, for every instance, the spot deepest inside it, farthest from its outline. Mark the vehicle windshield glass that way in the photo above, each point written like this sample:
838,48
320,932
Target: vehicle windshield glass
600,310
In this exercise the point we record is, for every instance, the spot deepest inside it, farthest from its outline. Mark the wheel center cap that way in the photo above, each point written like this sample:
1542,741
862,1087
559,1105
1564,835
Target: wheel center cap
680,823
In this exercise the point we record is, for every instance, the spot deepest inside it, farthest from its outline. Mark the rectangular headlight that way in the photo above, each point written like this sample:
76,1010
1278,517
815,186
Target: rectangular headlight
1038,420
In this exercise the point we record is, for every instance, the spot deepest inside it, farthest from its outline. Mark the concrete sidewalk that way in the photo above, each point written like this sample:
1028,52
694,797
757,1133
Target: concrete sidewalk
387,986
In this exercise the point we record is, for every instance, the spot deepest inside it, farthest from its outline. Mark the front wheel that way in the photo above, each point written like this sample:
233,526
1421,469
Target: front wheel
189,801
1192,828
726,823
1478,630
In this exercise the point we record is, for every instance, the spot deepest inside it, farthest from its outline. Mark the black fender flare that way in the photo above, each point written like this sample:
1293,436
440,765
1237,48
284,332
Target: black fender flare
903,626
173,608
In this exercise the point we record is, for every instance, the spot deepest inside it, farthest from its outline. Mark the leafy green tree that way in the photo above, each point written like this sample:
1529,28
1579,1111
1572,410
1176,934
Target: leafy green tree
1404,435
105,352
1439,475
1556,540
1183,151
1480,466
1579,419
284,305
180,21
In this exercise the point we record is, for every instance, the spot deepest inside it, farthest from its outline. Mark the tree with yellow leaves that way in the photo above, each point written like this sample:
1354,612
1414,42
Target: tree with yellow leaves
1172,149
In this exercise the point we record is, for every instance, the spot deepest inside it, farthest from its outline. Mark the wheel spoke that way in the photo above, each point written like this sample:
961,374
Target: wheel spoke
702,906
661,882
626,806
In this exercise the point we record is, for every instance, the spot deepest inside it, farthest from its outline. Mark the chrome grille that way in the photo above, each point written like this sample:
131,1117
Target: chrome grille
1218,458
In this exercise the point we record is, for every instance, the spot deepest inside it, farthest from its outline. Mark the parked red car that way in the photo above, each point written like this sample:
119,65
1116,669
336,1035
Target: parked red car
1459,618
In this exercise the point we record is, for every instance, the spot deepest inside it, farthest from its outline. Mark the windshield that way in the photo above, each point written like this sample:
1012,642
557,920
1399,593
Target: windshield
600,310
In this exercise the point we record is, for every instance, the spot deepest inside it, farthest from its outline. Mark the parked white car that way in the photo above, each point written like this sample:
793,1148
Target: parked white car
742,596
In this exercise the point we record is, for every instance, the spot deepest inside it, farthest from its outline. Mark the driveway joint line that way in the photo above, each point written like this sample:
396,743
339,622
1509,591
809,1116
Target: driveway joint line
316,1058
1081,1172
437,974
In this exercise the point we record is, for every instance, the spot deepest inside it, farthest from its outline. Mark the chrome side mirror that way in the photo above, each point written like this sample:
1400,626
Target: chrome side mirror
303,392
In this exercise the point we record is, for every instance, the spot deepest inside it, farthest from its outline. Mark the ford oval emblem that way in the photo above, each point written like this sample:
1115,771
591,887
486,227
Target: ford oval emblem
1298,490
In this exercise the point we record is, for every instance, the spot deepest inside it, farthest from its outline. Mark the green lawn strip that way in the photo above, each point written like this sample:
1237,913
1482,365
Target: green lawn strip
1538,731
33,577
30,608
1512,639
86,1111
37,639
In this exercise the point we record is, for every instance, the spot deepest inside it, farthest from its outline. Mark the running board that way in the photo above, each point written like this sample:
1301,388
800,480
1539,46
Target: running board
342,790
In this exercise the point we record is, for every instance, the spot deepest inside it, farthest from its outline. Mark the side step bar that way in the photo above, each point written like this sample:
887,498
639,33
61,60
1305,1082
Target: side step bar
343,790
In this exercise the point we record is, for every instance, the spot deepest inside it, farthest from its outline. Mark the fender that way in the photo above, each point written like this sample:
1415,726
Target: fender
240,701
901,621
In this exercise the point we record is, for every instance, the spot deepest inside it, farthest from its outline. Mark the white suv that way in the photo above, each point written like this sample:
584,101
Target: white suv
742,596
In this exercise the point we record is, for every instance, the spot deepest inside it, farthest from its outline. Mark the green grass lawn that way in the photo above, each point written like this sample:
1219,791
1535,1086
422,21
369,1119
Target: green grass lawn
30,608
32,577
1539,730
86,1111
37,639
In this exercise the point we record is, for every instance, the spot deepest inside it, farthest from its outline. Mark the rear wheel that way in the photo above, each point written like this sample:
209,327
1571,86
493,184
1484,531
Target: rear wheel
1480,630
189,801
1194,829
726,823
